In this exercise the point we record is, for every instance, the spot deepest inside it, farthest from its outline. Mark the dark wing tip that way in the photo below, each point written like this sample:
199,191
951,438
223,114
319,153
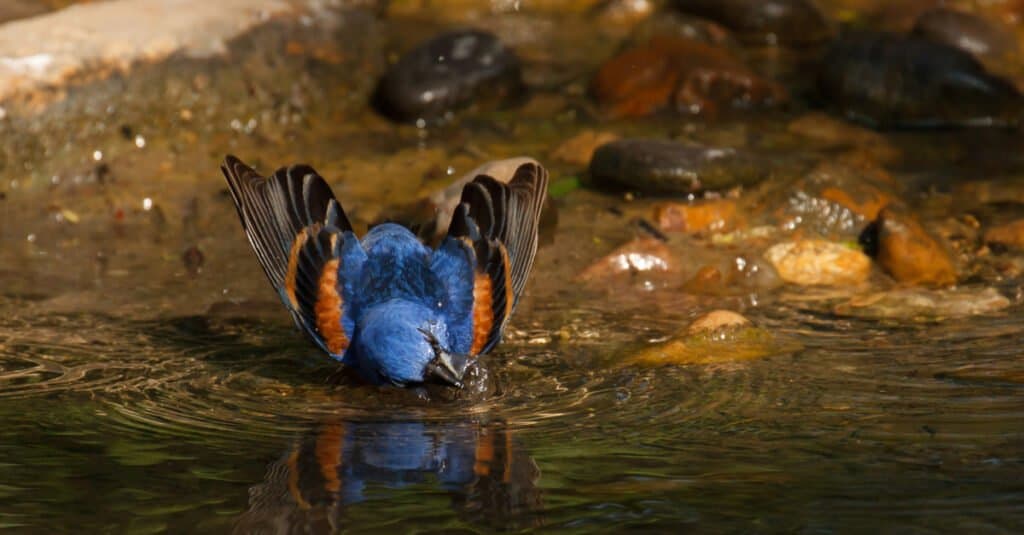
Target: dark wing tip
501,221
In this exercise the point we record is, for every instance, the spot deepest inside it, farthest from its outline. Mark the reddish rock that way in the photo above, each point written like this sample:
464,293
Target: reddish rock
638,256
707,280
715,215
909,253
679,74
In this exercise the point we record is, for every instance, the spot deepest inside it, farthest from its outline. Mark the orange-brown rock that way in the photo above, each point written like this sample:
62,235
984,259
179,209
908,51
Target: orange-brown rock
578,149
910,253
684,75
714,215
708,279
1009,235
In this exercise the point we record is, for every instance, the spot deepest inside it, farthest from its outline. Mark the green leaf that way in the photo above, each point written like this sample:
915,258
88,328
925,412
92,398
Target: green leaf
563,186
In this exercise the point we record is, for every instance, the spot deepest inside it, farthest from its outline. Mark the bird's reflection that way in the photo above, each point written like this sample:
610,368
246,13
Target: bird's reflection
489,477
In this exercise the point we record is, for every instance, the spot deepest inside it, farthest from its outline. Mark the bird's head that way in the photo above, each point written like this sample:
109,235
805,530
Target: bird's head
403,345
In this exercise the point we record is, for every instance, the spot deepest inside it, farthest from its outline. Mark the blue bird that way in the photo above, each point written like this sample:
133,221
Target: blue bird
388,306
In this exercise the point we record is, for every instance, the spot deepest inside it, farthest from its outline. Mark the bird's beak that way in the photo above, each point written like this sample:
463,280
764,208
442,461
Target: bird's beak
446,369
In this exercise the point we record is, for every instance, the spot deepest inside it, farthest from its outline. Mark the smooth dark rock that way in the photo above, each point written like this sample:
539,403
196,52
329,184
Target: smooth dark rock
668,167
768,21
965,31
888,80
447,73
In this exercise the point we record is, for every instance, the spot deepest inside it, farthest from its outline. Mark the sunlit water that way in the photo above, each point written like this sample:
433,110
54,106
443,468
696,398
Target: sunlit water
140,395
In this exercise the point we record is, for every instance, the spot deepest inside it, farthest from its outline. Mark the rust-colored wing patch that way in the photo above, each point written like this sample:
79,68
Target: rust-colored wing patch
483,313
329,308
329,443
293,266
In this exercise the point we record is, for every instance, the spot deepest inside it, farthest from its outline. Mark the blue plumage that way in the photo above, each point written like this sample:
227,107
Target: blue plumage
388,306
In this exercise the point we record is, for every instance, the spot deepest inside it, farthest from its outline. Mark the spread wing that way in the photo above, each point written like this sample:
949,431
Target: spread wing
488,253
304,243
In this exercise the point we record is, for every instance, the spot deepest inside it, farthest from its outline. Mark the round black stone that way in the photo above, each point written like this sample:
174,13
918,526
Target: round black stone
447,73
667,167
888,80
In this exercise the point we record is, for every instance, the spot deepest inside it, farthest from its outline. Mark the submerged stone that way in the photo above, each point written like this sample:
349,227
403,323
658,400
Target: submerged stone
910,303
451,71
717,320
681,75
718,337
889,80
766,21
819,263
669,167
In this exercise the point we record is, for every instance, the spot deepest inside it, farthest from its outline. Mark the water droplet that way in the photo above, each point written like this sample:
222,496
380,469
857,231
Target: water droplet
97,155
147,204
140,141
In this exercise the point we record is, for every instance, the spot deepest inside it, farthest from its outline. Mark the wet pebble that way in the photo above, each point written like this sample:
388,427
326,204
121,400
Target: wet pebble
908,252
718,337
764,21
681,75
447,73
669,167
716,320
818,263
909,303
889,80
965,31
713,215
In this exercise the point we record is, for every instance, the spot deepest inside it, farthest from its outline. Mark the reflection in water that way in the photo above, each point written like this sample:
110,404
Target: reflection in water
490,479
